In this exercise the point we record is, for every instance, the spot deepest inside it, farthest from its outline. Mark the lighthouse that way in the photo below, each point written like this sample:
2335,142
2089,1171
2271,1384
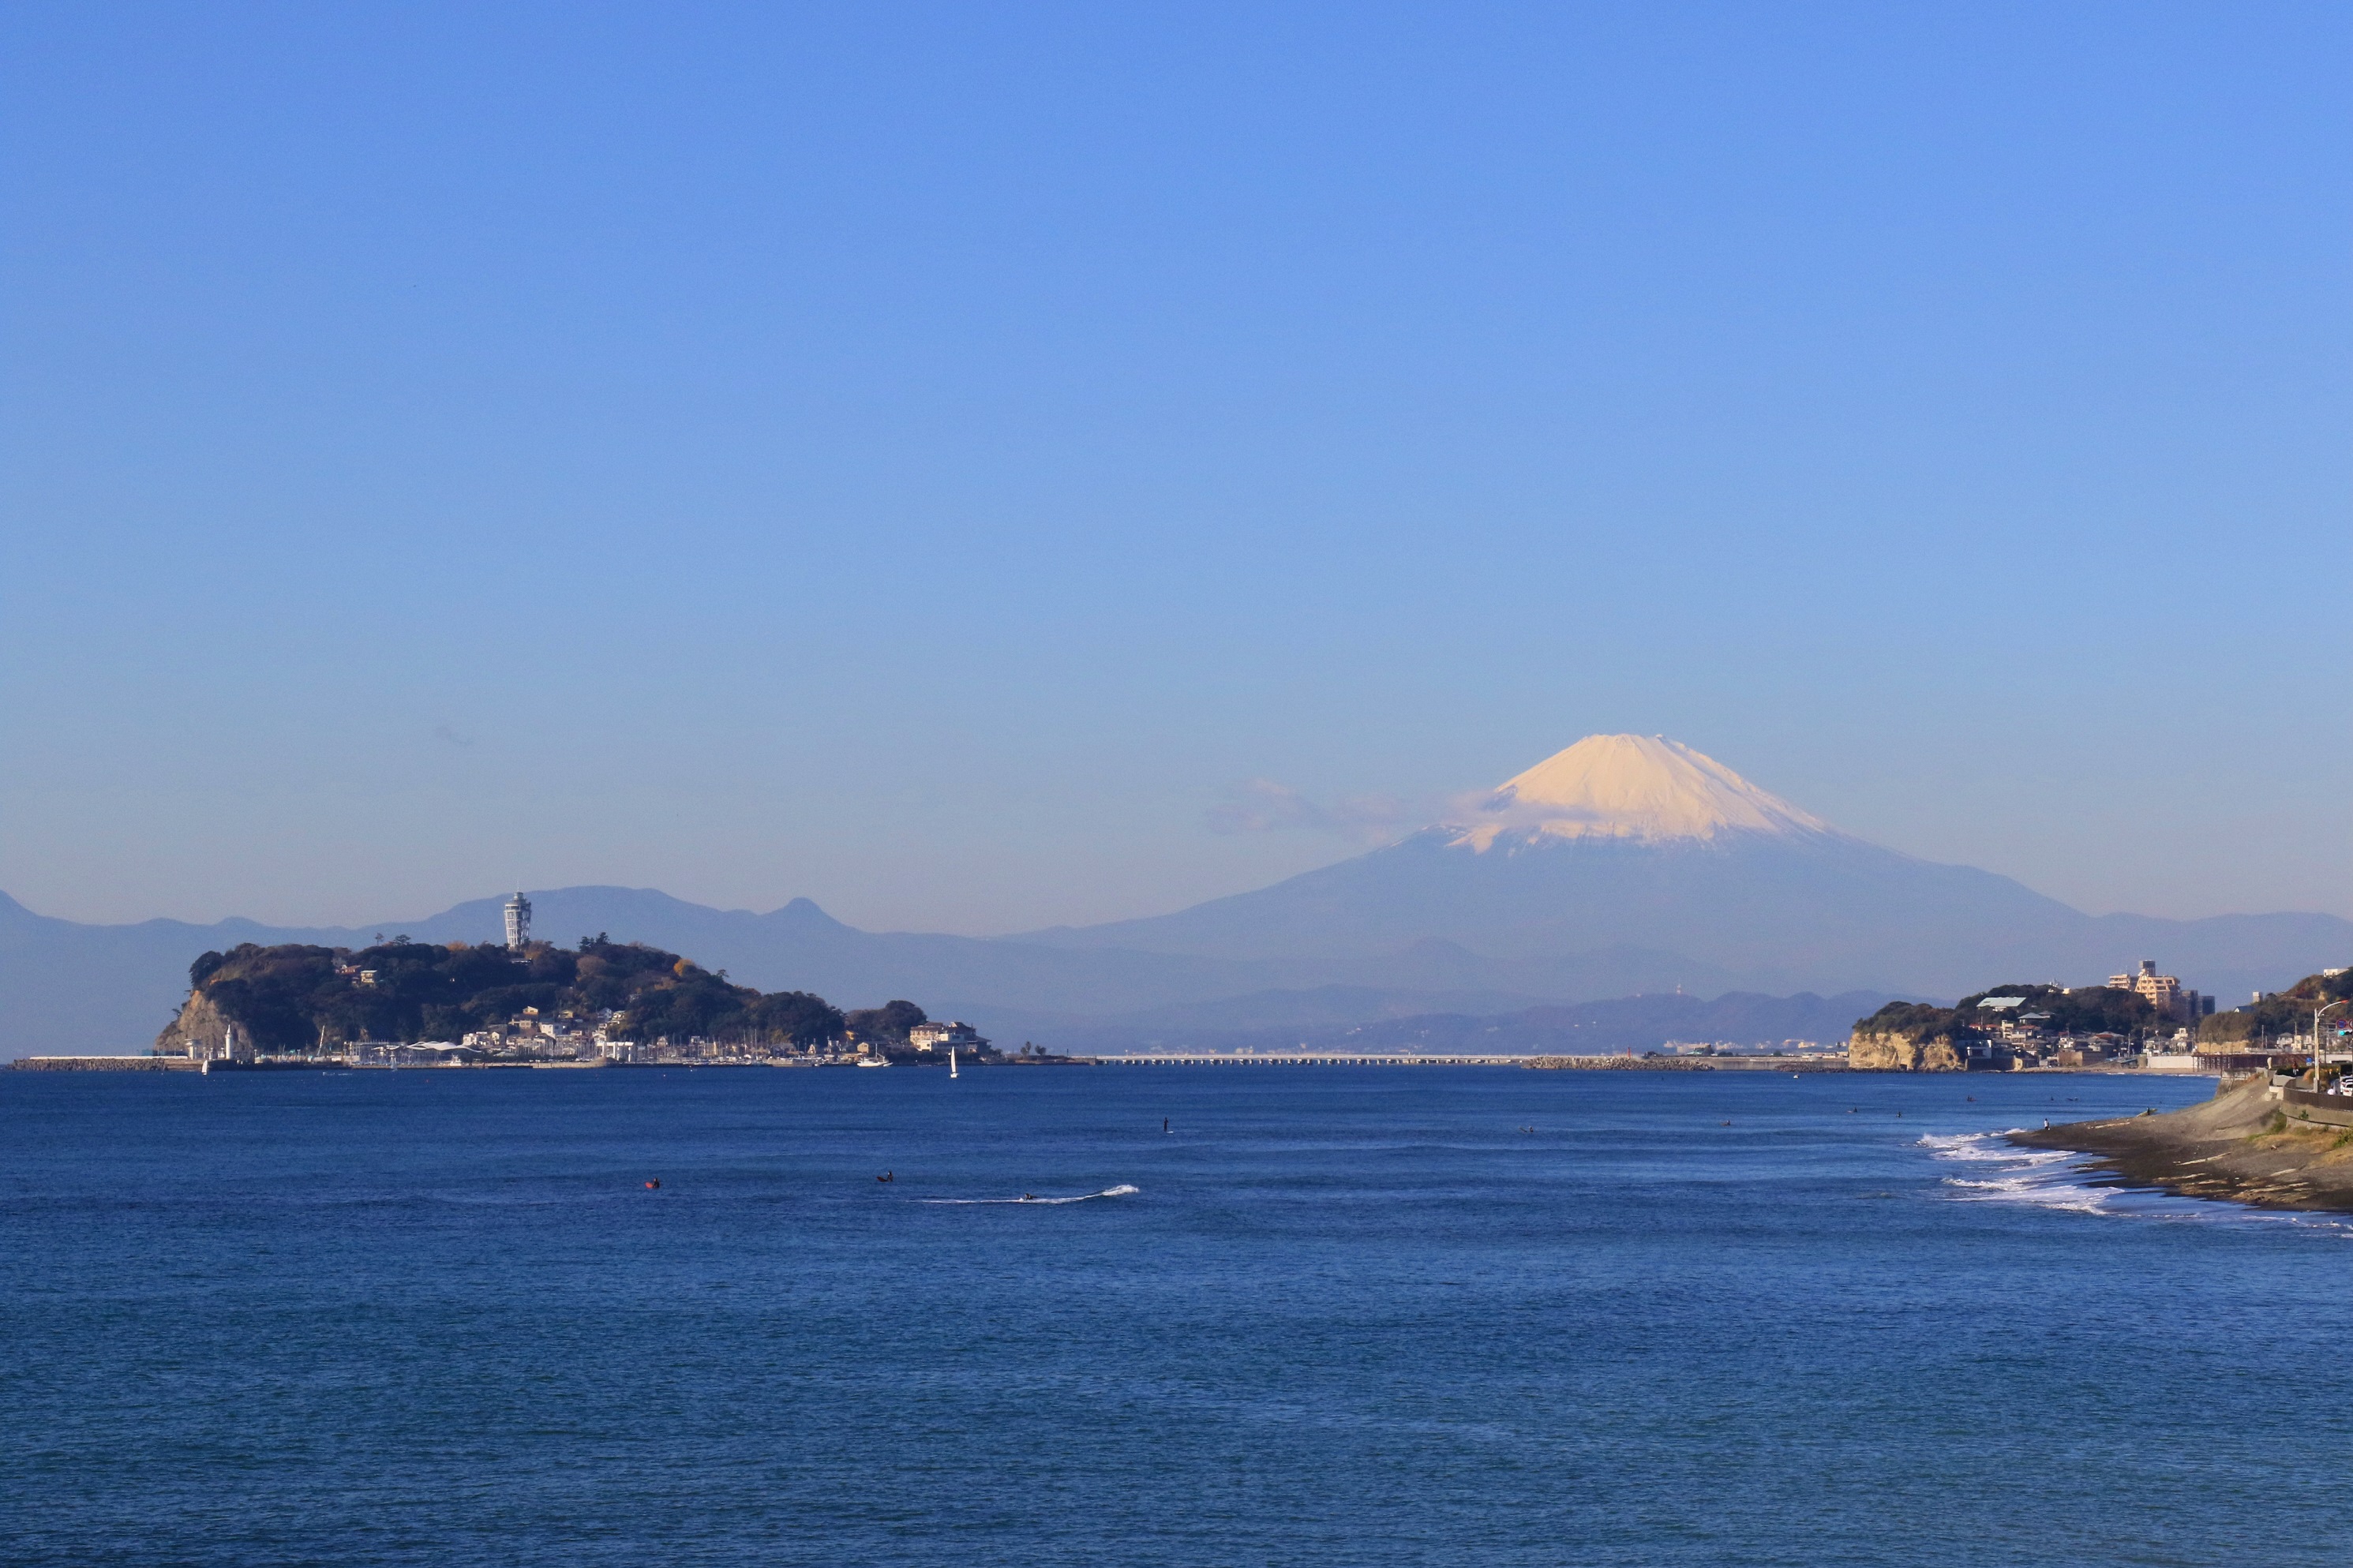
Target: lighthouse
518,922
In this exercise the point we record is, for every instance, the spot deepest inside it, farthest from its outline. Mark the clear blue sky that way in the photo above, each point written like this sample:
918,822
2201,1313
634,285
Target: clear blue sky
927,458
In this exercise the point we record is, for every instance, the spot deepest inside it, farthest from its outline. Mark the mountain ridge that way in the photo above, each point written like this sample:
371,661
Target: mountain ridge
1620,865
1644,844
67,988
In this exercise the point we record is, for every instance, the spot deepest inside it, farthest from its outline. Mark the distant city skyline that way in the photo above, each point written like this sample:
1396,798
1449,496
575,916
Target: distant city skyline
988,471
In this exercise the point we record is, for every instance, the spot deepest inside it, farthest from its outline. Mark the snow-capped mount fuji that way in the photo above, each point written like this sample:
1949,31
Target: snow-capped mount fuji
1628,786
1641,863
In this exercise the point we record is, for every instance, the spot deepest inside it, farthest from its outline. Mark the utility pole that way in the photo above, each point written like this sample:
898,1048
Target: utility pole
2315,1043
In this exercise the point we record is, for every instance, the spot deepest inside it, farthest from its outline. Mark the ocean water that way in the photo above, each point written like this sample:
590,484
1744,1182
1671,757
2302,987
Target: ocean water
1339,1315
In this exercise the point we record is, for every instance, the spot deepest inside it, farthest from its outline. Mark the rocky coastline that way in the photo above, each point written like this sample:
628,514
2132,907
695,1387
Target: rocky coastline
2244,1145
1880,1050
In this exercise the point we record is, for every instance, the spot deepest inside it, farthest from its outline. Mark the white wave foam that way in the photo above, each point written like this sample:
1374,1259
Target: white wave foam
2059,1179
1989,1146
2046,1178
1120,1191
2032,1187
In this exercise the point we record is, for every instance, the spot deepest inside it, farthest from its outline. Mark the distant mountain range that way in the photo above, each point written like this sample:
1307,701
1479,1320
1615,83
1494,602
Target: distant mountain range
1639,859
1624,865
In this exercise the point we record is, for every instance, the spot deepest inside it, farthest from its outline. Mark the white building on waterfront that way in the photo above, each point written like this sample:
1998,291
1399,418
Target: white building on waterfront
939,1036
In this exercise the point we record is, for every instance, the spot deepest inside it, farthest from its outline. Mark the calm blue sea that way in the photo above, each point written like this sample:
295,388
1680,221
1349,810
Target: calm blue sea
1345,1316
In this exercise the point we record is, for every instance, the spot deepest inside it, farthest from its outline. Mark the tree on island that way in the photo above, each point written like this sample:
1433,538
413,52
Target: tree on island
889,1024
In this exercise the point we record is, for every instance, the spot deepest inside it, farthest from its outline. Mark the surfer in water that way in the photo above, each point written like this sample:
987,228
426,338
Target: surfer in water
886,1176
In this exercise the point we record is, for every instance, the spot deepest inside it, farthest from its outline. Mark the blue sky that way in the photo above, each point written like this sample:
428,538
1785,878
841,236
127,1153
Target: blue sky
930,459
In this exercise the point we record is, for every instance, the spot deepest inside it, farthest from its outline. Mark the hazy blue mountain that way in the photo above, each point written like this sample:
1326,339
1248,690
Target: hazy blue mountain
1631,845
68,987
1765,914
1623,867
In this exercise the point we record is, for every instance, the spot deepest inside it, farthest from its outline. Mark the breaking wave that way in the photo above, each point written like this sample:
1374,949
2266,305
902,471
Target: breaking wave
2060,1179
1120,1191
2046,1178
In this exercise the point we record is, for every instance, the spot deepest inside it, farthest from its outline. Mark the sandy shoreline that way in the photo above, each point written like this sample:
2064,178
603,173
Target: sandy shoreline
2238,1146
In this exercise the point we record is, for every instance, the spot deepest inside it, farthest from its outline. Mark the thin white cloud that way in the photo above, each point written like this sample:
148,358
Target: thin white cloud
1266,806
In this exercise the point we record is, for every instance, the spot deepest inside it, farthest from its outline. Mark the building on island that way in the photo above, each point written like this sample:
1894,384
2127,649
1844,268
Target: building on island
938,1037
518,922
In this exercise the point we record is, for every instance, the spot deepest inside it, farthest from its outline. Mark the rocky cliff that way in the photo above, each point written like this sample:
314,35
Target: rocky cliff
201,1030
1873,1049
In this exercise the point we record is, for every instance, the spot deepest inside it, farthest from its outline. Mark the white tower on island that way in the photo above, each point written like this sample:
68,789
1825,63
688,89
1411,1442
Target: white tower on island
518,922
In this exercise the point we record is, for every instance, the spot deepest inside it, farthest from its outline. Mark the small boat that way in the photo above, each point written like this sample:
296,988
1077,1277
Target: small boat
874,1061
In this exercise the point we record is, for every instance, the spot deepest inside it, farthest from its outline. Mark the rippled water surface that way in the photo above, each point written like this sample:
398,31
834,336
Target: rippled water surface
1341,1315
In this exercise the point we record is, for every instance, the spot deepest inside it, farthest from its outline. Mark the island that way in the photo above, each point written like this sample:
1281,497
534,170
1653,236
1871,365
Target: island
525,1003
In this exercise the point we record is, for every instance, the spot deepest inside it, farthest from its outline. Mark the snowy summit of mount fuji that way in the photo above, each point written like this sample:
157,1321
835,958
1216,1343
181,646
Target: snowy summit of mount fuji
1642,787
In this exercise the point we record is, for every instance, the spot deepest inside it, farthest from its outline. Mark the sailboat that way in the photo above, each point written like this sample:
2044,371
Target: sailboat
951,1062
